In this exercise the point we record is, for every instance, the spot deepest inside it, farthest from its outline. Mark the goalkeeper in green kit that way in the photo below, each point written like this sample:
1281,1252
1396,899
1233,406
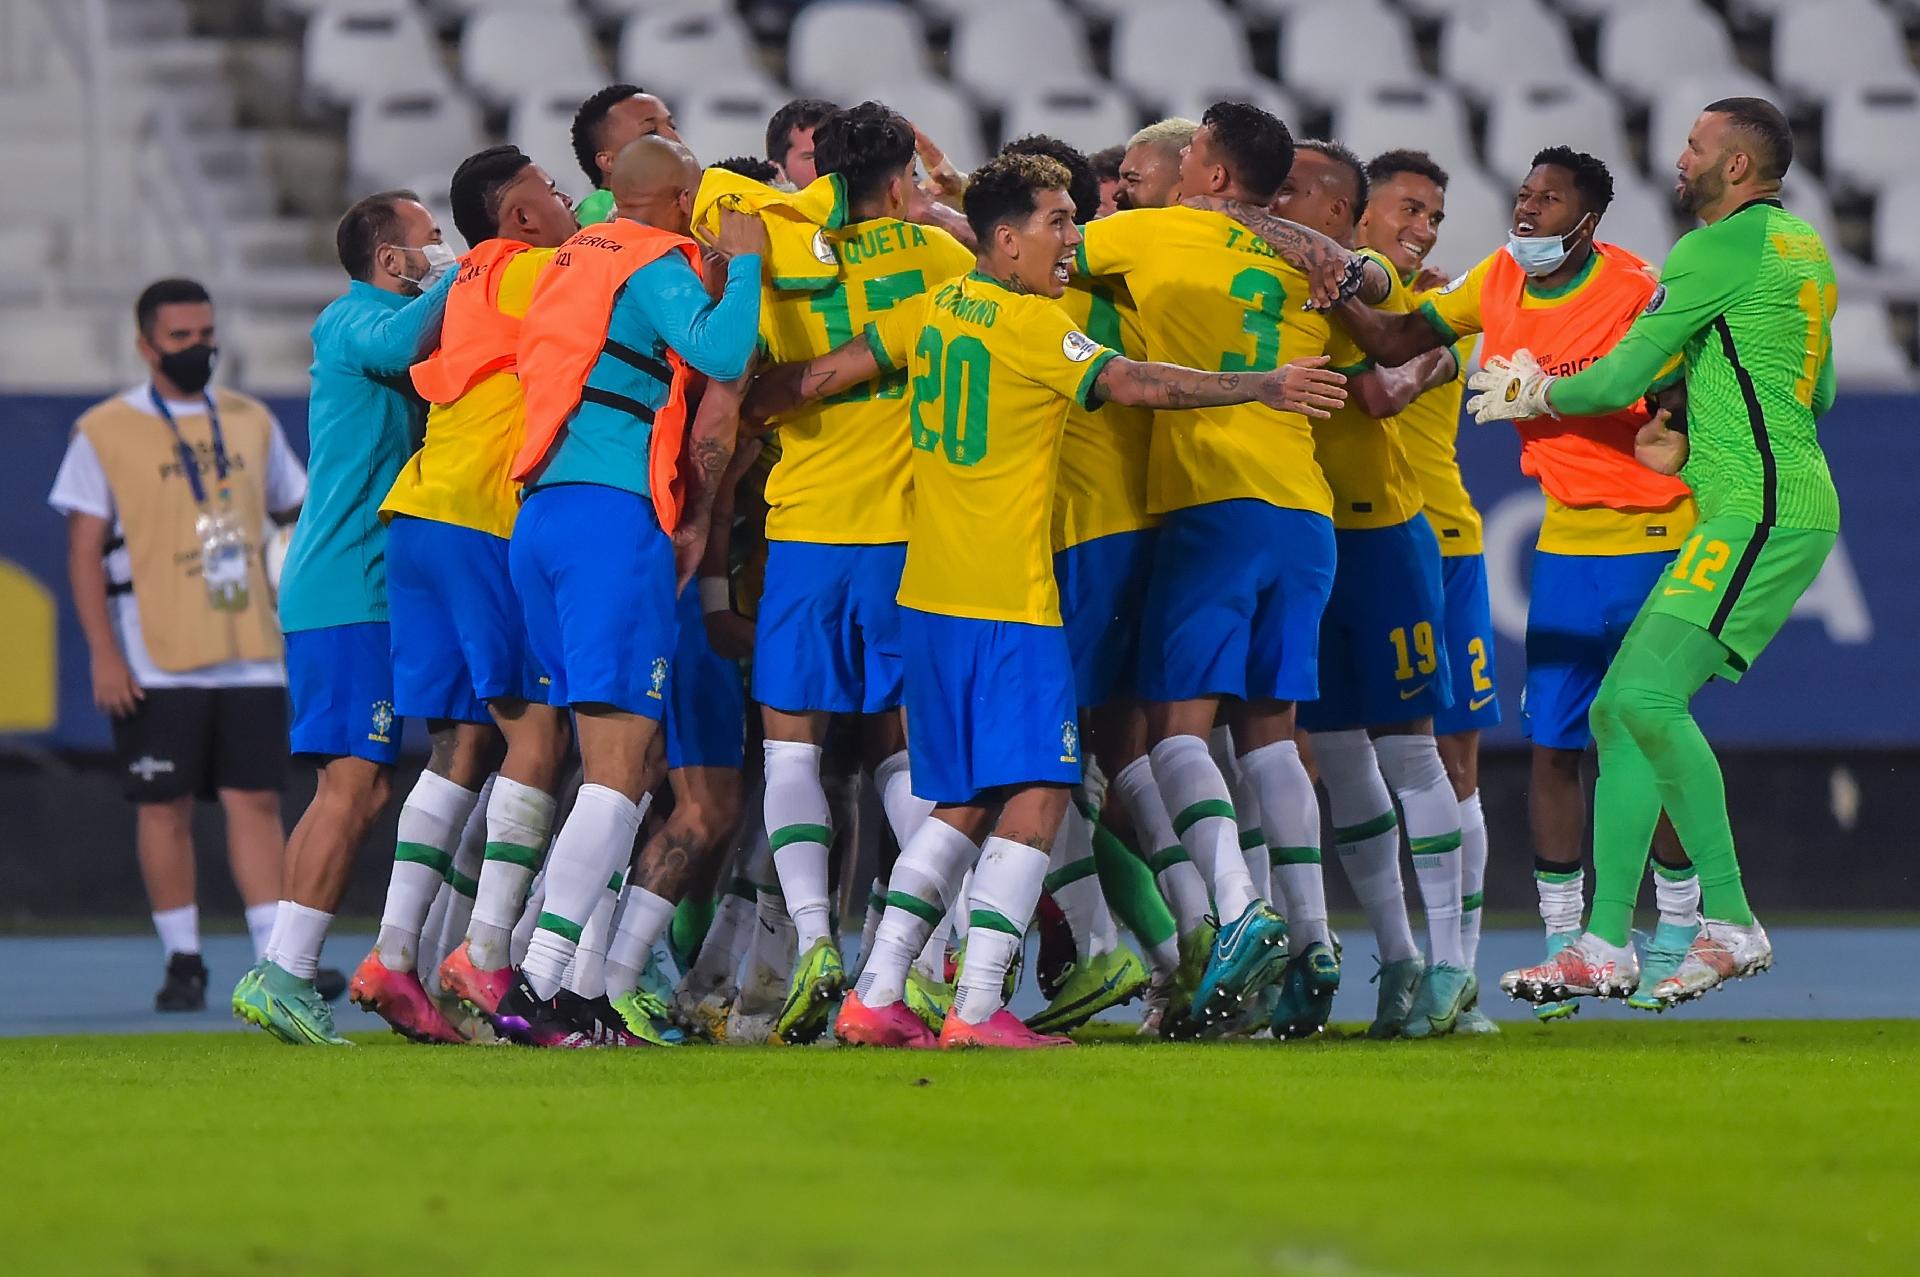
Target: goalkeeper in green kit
1748,298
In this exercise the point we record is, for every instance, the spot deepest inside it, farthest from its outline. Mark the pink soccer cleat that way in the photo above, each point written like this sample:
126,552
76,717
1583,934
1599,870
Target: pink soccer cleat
1587,968
398,998
1001,1029
482,990
891,1025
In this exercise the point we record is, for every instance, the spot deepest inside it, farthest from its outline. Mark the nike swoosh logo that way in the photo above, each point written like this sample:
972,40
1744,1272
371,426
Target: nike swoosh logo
1670,591
1407,696
1481,702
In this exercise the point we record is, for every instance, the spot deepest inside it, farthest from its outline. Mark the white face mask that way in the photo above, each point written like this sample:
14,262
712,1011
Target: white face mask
1542,254
440,260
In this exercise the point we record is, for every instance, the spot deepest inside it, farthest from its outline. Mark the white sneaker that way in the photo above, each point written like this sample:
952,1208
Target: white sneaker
1721,952
1586,968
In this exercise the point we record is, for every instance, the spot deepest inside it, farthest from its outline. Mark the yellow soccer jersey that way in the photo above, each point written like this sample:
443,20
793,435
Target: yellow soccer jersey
461,474
1373,482
992,373
1214,295
843,476
1102,487
1429,430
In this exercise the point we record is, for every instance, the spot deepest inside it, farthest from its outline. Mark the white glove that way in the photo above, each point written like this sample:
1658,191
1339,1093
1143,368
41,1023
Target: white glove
1510,389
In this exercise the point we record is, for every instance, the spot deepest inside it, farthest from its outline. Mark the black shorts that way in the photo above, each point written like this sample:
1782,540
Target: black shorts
191,742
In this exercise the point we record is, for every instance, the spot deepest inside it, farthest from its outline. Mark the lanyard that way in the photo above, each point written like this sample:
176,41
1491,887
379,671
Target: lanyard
189,462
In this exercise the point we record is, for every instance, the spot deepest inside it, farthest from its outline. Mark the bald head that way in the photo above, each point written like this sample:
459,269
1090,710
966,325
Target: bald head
653,182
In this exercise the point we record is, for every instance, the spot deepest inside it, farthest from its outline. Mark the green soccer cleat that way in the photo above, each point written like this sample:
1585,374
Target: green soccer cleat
1306,989
816,986
1445,991
286,1006
1474,1021
637,1010
1093,986
1658,962
1196,946
1398,982
1248,955
928,998
1547,1012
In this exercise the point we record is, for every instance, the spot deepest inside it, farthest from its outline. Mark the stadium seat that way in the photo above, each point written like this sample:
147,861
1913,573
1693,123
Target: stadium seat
1264,94
1505,44
1523,119
1870,132
940,112
361,48
954,10
1479,215
1282,8
48,349
1437,8
1644,46
1423,117
1090,118
506,53
1865,354
1640,219
1896,232
275,352
723,124
391,140
1113,10
1002,52
541,124
455,12
615,10
1823,45
685,48
1677,105
839,49
1311,42
1168,51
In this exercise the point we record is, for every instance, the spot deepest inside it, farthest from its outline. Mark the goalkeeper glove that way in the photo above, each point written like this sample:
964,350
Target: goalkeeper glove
1511,389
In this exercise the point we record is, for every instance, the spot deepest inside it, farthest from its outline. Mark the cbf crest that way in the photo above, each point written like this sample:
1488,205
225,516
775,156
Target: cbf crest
382,733
658,679
1069,742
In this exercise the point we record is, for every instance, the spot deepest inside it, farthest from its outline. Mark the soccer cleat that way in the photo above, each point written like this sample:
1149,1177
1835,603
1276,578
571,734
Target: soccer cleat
1248,955
286,1006
1158,999
600,1022
1106,980
1545,1012
1002,1029
1306,991
1588,967
1196,947
636,1009
702,1015
1474,1021
927,998
398,998
749,1028
1721,952
816,986
1398,982
543,1021
469,1024
330,983
891,1025
1659,961
1445,991
1058,952
184,988
481,990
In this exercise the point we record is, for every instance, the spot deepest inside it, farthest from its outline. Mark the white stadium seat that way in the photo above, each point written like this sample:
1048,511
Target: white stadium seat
51,349
1003,51
1649,43
1896,231
1865,354
1578,113
838,49
1504,44
616,10
1421,117
1823,45
360,48
940,112
1089,118
1332,50
723,124
1264,94
541,124
1168,51
390,140
686,48
1479,215
1677,105
275,352
1640,219
454,12
506,53
1871,133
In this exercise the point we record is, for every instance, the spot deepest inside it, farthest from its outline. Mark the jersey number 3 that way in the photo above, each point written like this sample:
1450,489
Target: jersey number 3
1266,300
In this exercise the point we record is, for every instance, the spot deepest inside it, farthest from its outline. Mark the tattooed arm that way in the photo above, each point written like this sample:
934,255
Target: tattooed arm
785,387
1325,263
1305,386
710,441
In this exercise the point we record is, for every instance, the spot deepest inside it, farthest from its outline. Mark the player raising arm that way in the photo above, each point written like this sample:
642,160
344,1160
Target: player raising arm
1748,299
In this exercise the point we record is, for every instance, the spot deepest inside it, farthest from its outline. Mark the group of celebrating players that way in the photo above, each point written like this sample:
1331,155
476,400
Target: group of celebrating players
1073,517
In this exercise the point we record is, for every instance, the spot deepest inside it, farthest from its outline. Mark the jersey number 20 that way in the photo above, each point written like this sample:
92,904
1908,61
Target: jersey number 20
956,383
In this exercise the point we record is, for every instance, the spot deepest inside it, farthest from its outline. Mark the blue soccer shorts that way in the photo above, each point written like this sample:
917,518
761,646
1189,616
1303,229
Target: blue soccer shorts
706,700
1383,655
340,679
1579,609
1103,592
827,633
459,639
1469,645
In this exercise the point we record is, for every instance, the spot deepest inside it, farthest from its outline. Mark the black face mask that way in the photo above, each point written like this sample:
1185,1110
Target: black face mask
190,369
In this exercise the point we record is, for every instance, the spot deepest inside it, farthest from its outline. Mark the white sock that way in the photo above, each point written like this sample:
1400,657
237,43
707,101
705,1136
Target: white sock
596,839
1253,839
1412,767
1006,887
519,818
1290,818
1173,870
1677,892
870,920
1563,894
895,783
522,934
587,973
717,962
179,929
1367,835
1473,874
800,832
1202,808
260,920
643,918
301,931
1073,881
916,898
431,822
932,959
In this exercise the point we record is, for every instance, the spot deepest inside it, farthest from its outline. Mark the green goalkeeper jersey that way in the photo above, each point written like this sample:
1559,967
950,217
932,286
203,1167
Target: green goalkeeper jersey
1749,301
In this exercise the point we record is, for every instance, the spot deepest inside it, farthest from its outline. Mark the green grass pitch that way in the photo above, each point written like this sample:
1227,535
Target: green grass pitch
1665,1146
